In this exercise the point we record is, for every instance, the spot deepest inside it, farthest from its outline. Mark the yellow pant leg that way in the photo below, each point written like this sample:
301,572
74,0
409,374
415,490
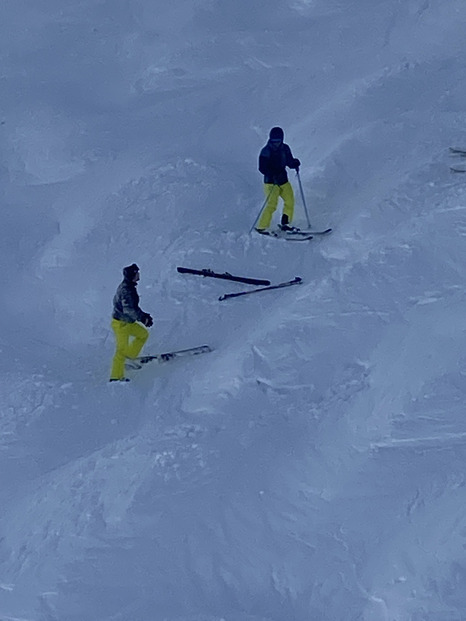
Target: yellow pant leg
121,339
140,335
273,192
124,349
287,194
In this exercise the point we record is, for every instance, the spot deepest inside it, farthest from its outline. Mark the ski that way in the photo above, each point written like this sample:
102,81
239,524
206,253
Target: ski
138,363
296,231
285,235
457,170
224,276
289,283
456,151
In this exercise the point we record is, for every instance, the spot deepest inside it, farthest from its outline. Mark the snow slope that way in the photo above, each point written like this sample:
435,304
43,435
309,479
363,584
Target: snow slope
312,466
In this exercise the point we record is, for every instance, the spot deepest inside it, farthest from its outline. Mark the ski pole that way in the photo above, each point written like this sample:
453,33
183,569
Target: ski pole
303,199
262,209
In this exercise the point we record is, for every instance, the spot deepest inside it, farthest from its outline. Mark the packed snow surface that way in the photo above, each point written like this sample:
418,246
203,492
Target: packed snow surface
310,468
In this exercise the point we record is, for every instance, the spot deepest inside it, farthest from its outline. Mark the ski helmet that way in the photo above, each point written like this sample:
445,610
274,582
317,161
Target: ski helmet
276,133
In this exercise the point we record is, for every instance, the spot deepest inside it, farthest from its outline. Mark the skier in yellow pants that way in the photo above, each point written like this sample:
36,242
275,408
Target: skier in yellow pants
273,160
274,192
130,336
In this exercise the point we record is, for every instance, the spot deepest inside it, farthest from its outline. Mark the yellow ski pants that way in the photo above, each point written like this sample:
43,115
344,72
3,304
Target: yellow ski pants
284,191
125,331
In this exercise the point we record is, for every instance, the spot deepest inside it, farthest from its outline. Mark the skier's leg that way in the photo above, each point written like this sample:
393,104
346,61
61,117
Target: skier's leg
272,191
287,194
123,331
140,335
121,338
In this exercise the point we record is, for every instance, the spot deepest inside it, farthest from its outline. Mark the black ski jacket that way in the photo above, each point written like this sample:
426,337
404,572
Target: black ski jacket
126,303
273,162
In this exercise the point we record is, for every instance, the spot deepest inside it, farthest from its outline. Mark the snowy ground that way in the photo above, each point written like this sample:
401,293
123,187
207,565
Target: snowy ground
312,467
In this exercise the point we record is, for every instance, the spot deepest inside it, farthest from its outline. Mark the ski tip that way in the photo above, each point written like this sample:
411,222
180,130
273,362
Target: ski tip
323,232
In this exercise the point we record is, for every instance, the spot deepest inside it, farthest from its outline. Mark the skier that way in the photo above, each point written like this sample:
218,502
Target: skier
273,160
125,317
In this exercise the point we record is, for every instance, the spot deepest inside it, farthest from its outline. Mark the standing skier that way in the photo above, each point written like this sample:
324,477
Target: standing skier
125,317
273,160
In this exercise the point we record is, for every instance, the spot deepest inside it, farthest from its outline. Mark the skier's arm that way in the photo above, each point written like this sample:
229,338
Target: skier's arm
264,165
291,162
130,305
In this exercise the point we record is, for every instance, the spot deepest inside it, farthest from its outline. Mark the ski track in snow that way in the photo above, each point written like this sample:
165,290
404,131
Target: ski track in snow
311,466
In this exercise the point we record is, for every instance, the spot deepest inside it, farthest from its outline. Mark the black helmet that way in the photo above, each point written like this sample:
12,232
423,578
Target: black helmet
276,133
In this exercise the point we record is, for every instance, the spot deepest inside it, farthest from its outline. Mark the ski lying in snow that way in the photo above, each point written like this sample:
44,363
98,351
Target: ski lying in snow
224,276
295,281
138,363
457,170
456,151
285,235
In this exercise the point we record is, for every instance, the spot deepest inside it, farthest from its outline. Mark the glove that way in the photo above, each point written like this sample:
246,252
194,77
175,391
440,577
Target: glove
147,320
296,163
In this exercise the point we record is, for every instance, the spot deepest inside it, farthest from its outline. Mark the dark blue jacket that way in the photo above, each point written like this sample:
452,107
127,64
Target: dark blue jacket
273,162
